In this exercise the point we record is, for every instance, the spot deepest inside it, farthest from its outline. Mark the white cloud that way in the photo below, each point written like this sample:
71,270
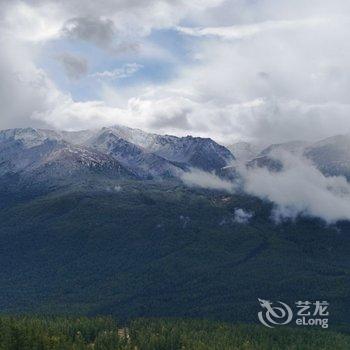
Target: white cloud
199,178
281,72
298,69
98,21
25,26
300,189
245,31
125,71
70,115
23,87
33,24
242,216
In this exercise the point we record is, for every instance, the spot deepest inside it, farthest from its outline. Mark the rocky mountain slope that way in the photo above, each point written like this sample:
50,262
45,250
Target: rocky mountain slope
115,152
122,152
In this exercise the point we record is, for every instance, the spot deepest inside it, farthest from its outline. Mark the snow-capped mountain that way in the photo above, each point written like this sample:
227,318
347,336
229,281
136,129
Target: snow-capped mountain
203,153
116,151
132,156
120,151
332,155
43,154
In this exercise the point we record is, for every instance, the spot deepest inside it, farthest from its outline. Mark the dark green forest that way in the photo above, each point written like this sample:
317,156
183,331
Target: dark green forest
161,259
102,333
151,250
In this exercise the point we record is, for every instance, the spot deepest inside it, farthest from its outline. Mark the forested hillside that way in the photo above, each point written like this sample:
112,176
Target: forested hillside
151,250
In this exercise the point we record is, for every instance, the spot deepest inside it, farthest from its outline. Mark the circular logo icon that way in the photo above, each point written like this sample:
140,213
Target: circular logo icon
273,314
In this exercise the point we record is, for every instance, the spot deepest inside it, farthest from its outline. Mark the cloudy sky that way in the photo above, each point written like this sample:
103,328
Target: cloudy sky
258,70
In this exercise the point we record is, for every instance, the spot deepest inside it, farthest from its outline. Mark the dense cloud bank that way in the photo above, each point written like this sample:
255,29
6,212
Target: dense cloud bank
299,189
268,71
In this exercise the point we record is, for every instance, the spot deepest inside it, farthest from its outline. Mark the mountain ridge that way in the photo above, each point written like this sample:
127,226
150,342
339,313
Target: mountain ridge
143,154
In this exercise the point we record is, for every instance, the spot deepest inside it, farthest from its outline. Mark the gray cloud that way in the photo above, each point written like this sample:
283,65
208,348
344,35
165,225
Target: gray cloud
98,31
74,66
177,120
101,32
